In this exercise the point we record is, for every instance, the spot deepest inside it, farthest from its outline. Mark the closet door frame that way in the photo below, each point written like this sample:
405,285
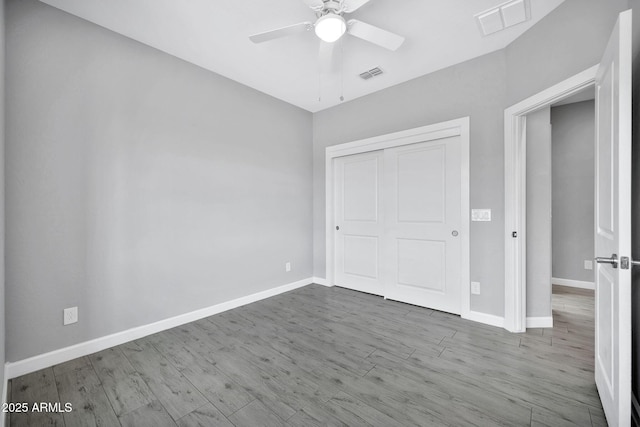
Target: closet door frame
457,127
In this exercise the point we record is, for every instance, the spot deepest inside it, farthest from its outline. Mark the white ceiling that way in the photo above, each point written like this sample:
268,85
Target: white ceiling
214,35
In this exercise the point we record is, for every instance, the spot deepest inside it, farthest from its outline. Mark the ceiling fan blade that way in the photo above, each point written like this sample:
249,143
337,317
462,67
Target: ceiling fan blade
374,34
302,27
353,5
314,4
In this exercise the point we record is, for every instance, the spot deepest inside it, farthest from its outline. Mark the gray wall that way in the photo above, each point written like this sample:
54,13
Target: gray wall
570,39
139,187
567,41
539,213
573,185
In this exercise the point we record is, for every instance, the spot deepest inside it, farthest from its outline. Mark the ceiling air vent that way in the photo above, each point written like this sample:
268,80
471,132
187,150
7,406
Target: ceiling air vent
503,16
371,73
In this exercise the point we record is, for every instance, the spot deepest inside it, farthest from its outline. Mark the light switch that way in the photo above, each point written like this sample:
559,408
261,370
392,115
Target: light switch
480,214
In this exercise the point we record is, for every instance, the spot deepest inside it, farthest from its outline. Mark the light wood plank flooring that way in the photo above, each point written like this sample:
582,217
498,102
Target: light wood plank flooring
321,356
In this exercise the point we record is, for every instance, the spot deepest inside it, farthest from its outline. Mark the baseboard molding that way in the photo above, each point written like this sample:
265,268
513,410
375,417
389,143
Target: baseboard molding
573,283
321,281
32,364
487,319
540,322
635,411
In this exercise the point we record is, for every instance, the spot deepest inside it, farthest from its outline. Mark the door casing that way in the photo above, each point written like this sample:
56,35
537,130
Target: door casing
515,212
457,127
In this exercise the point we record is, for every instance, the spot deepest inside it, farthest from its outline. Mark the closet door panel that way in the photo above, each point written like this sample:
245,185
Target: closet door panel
358,217
422,247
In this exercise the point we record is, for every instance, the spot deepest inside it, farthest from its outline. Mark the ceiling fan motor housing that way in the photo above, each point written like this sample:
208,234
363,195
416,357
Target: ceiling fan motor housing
331,6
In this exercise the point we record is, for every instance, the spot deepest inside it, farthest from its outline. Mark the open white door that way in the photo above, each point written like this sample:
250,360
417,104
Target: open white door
613,226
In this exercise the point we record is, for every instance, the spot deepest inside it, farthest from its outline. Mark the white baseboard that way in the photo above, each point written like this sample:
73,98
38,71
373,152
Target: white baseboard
321,281
487,319
573,283
540,322
35,363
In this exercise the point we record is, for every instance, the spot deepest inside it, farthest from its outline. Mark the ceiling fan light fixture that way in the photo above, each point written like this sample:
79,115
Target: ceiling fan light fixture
330,27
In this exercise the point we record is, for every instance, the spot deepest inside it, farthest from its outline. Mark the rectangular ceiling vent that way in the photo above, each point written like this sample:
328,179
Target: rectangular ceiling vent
503,16
371,73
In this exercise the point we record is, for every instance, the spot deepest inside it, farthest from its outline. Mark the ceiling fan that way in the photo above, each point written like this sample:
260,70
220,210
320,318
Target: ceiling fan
330,25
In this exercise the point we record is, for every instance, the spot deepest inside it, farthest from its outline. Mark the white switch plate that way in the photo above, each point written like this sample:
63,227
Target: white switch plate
475,288
480,214
70,315
287,267
588,264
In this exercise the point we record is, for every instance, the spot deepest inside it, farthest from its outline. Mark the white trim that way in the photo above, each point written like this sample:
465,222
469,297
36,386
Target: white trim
32,364
397,139
487,319
321,281
540,322
458,127
515,192
573,283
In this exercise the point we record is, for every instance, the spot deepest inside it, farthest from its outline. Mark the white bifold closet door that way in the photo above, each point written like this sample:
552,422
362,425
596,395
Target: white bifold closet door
398,212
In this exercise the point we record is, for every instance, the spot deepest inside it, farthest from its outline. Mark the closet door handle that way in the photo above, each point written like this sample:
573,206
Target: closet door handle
454,233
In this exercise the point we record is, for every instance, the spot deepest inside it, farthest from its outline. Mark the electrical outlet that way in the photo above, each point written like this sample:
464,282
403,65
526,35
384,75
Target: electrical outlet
588,264
70,315
481,215
475,288
287,267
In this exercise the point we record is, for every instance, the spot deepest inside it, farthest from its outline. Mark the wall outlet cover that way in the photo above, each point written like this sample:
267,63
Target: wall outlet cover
481,215
588,264
287,267
70,315
475,288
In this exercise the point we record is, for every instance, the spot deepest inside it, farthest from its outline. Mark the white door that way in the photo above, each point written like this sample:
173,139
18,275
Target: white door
358,209
423,217
613,225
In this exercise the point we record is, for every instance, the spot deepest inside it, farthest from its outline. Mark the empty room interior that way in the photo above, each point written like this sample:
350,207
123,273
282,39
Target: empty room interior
320,213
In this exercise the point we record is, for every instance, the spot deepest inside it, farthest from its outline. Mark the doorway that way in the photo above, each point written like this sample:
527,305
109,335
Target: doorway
612,226
559,202
515,191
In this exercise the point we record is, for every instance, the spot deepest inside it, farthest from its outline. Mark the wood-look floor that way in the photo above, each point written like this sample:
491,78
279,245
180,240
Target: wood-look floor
321,356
